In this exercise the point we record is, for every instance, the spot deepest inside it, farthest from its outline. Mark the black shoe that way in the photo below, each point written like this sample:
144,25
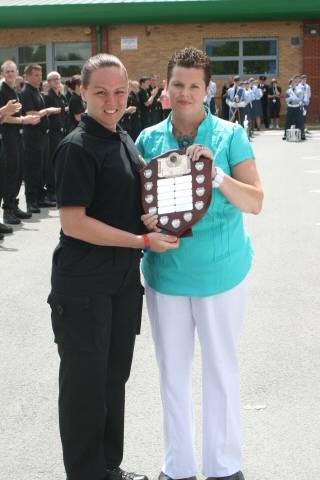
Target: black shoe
1,236
21,214
4,229
10,218
119,474
284,138
235,476
46,203
164,476
33,207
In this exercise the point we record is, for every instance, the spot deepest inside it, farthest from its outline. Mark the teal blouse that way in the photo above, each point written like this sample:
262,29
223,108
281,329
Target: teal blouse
219,254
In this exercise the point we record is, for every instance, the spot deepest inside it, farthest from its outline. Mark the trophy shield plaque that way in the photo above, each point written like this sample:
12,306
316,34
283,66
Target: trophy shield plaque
177,189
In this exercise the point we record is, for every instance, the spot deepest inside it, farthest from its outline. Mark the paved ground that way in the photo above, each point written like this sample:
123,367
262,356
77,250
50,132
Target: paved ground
280,353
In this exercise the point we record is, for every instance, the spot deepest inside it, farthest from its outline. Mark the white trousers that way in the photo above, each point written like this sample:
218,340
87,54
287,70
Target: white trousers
218,320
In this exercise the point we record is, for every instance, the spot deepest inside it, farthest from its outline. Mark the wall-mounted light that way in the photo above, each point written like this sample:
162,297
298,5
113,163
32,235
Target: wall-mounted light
312,30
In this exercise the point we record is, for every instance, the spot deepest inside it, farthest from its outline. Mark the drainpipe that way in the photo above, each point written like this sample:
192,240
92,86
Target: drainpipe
99,38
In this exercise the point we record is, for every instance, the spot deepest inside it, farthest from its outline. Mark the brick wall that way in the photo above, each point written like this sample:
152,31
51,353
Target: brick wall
13,37
156,43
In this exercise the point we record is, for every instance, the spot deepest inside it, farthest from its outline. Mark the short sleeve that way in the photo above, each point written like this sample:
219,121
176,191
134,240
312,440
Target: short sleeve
240,148
75,173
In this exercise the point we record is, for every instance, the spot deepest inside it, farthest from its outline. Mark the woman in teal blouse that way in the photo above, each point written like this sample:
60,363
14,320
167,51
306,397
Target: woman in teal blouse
202,285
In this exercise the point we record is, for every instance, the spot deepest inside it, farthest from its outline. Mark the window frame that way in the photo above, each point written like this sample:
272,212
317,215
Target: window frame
242,58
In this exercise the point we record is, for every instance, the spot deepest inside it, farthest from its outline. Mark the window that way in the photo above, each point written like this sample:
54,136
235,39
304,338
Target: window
33,54
243,56
66,58
22,56
69,57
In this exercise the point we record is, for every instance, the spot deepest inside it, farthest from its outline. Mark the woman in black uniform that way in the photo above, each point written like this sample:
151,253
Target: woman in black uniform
76,105
274,95
96,296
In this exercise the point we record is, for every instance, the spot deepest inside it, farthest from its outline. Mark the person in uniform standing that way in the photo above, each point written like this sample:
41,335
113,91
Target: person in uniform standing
146,98
76,103
35,140
294,99
224,105
274,95
210,99
306,97
11,107
264,100
131,120
202,285
12,140
165,100
96,296
156,107
57,127
236,101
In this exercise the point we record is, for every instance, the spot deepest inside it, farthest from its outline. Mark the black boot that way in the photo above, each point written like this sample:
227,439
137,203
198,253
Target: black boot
21,214
10,218
4,229
33,207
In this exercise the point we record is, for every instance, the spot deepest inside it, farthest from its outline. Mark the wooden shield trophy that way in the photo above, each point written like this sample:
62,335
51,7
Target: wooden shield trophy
177,189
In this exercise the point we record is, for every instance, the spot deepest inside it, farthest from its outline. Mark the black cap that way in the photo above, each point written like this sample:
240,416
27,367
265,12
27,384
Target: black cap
262,77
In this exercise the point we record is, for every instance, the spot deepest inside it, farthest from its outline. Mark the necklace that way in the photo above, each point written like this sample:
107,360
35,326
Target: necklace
185,139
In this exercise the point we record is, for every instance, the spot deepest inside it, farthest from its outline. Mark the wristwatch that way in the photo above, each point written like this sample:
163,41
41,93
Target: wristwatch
219,177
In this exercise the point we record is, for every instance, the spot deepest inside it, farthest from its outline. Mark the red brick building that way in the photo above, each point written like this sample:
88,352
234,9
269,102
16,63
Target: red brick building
277,38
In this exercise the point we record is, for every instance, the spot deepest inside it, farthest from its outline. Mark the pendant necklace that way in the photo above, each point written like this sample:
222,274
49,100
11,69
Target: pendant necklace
185,140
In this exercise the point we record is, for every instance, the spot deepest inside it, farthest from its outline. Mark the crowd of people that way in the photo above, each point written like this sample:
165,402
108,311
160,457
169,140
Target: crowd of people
43,112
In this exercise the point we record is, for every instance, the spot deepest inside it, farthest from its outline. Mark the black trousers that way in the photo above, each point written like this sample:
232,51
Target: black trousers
55,138
12,170
295,117
36,148
265,110
95,335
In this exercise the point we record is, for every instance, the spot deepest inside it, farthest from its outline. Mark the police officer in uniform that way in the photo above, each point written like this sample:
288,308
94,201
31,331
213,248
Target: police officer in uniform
294,99
35,139
264,100
96,296
57,126
12,148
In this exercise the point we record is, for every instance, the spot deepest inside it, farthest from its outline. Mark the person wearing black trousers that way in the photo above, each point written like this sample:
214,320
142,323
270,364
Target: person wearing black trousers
96,295
264,100
35,139
12,147
57,127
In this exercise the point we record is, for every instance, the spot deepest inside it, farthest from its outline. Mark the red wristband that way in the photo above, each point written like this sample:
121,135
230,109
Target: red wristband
147,242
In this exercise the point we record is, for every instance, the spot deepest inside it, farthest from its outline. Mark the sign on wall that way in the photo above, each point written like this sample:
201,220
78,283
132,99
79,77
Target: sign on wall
129,43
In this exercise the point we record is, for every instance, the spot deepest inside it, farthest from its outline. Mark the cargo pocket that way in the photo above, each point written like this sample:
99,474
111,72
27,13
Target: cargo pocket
71,321
139,319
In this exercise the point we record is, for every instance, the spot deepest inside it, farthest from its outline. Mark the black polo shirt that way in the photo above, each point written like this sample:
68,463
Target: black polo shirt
56,121
99,170
32,100
76,107
9,130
